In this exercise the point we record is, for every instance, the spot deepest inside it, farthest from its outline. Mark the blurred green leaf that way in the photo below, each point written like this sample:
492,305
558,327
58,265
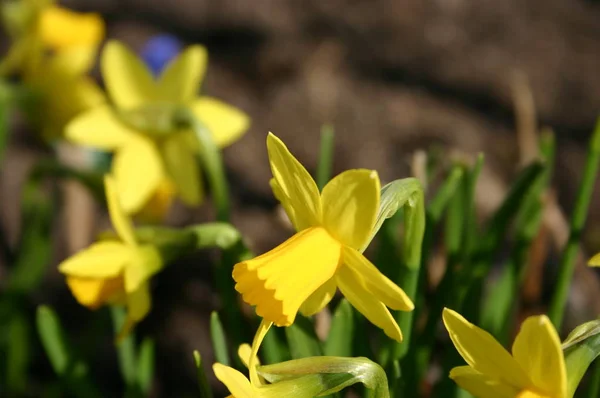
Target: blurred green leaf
302,339
125,348
4,114
325,156
583,347
145,366
341,334
203,384
18,355
219,341
274,348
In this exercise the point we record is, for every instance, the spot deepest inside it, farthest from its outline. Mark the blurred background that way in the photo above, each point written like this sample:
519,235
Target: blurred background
449,77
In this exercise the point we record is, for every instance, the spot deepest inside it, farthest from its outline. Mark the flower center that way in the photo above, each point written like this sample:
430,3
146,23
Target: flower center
155,119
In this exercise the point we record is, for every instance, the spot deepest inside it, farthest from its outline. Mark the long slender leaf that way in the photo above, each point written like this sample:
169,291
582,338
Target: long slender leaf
219,341
340,337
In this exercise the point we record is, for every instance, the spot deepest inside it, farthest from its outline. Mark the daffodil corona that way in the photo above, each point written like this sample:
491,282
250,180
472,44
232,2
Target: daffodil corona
536,368
114,272
139,127
334,227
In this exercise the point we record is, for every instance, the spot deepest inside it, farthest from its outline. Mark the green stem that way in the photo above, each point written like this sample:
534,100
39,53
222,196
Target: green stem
125,349
569,256
325,156
211,160
203,384
594,388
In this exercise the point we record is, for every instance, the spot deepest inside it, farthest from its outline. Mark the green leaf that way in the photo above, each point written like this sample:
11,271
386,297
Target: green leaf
340,337
325,156
125,348
582,332
219,341
18,355
582,348
203,384
145,366
273,348
332,374
302,339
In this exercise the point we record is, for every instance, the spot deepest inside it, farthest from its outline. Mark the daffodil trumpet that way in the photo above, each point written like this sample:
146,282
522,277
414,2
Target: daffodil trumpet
155,147
536,368
333,228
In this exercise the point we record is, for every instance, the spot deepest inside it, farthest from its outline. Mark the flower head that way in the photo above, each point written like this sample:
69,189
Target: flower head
536,368
139,126
114,272
53,50
334,227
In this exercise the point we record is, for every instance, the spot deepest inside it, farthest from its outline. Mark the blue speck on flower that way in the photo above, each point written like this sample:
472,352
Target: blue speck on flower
159,50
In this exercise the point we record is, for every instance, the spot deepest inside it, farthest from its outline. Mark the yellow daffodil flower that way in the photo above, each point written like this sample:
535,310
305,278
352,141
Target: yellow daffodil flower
536,368
139,128
54,49
334,227
114,272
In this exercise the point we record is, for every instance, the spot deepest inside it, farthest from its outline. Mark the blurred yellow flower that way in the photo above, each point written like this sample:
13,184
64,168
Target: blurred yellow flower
333,227
139,126
114,272
53,50
536,368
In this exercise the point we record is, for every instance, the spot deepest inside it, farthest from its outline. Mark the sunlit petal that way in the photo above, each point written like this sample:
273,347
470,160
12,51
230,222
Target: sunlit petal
142,266
319,299
61,28
101,260
384,289
72,62
182,76
225,122
481,385
99,128
350,203
236,382
364,301
482,352
128,81
120,221
279,281
138,171
298,190
538,350
93,292
182,167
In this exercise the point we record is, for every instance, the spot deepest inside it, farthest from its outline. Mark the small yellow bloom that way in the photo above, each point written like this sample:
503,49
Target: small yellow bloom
536,368
114,272
53,50
139,126
334,227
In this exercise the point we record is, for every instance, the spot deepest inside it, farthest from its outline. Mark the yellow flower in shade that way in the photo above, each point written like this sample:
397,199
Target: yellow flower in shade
334,227
536,368
53,50
114,272
139,126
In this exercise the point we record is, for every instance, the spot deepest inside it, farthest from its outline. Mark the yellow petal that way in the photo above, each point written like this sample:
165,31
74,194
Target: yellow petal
244,352
262,331
368,305
182,166
482,352
138,306
384,289
182,76
93,292
128,81
236,383
350,203
99,128
319,299
100,260
595,261
279,281
538,350
298,190
282,198
145,263
120,221
62,28
531,394
138,171
156,209
481,385
225,122
72,62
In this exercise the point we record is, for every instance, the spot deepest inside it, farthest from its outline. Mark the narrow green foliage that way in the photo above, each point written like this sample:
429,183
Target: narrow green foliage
274,347
579,355
325,156
594,387
340,337
580,211
203,384
219,341
145,366
302,339
125,348
18,355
